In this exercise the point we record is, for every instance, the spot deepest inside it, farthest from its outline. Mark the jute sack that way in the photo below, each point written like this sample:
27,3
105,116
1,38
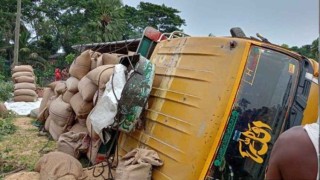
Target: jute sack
78,128
22,68
24,79
23,176
71,143
108,59
82,122
99,62
27,92
94,56
25,86
47,94
34,113
75,141
101,75
91,132
2,108
60,88
19,74
131,53
81,65
67,96
98,95
72,84
93,151
137,164
24,98
87,88
78,71
84,59
61,112
54,129
47,123
53,84
59,165
80,107
44,113
93,64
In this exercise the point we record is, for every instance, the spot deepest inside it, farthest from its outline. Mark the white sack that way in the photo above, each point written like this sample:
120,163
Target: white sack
104,112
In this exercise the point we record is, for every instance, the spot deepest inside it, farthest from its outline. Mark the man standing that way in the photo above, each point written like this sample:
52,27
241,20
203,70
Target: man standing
295,154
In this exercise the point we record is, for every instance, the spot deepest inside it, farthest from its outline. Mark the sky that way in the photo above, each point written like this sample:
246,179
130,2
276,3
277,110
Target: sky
292,22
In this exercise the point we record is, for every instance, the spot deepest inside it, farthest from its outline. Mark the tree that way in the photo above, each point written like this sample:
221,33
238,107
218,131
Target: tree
285,46
315,49
16,34
161,17
308,50
47,25
107,20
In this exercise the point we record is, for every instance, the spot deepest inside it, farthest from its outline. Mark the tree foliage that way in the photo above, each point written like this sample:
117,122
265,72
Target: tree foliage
161,17
309,50
48,25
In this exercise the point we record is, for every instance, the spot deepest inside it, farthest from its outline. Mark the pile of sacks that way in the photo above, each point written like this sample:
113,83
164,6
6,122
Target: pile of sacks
65,112
24,84
136,164
66,104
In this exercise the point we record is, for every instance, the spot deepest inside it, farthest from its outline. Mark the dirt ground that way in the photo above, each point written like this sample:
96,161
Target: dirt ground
22,149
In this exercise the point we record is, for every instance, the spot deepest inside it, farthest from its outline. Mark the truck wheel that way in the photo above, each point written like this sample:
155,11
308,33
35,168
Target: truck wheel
237,32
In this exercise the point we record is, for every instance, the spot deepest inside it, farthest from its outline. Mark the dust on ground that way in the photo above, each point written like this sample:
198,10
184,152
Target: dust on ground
21,149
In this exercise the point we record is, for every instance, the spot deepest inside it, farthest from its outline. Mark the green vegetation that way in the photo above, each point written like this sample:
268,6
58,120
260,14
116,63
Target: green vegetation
161,17
309,50
47,26
6,125
23,148
69,58
6,89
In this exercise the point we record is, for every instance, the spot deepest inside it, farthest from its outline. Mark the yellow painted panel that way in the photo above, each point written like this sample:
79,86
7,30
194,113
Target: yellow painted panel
310,114
194,81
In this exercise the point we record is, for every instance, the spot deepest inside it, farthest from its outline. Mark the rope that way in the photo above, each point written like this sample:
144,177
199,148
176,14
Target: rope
109,44
115,139
46,145
90,154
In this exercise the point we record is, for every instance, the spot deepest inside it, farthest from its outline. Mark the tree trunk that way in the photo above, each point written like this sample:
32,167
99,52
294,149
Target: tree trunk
17,34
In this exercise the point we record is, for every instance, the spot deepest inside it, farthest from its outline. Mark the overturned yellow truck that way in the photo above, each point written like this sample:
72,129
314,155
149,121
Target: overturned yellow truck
218,104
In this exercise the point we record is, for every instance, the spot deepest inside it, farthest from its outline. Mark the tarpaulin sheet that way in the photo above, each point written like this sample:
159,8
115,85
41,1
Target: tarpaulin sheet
22,108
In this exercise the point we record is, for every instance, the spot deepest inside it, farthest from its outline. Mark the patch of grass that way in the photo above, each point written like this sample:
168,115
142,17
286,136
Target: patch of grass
7,166
21,148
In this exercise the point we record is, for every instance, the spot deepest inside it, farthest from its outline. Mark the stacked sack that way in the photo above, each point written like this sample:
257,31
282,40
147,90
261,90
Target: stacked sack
24,84
89,71
66,105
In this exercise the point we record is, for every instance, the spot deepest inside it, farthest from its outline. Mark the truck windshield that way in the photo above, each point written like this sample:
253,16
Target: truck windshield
257,116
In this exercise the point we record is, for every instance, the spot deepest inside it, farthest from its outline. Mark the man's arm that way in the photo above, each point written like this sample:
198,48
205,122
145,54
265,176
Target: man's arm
293,157
273,170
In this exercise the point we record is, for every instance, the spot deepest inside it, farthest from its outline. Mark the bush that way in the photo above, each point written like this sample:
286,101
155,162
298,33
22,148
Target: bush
5,71
6,90
7,126
43,77
69,58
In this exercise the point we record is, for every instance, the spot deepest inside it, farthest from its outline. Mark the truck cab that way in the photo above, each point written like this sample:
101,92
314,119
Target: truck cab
218,104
